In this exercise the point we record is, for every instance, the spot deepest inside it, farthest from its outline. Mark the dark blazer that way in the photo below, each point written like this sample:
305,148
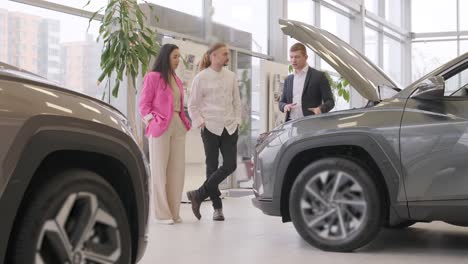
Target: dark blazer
316,93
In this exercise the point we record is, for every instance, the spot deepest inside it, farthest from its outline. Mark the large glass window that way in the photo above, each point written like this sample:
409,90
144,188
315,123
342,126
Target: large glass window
246,15
256,101
336,24
464,75
463,46
41,41
393,11
245,144
457,85
191,7
463,16
3,35
244,77
433,15
392,58
302,10
429,55
372,45
372,6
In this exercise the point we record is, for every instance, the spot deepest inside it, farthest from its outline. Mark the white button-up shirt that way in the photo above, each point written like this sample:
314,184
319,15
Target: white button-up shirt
298,87
215,100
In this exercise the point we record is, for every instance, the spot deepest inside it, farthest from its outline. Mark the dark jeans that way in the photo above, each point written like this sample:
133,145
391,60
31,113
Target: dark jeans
213,144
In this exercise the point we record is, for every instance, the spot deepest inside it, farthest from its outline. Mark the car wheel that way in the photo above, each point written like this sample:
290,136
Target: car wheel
75,218
335,206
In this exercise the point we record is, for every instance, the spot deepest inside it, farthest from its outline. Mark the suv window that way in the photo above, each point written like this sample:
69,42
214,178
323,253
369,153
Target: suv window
457,84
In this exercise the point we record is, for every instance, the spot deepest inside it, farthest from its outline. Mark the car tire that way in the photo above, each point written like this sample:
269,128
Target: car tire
335,205
76,215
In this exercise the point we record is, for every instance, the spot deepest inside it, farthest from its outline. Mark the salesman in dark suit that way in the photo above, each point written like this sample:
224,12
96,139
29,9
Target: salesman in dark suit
306,91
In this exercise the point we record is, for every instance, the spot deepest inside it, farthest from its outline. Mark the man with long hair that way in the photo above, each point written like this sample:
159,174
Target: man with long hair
215,108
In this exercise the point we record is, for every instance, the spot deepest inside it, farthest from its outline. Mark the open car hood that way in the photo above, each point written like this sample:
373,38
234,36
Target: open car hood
361,73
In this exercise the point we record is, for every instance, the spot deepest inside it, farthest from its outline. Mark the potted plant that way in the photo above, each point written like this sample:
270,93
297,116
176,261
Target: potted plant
127,42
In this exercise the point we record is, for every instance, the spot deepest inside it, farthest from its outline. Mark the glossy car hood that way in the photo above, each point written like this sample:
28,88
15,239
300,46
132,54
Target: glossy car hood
8,71
361,73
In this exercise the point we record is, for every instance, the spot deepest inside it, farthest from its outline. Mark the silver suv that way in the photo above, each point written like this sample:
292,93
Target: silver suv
73,182
341,176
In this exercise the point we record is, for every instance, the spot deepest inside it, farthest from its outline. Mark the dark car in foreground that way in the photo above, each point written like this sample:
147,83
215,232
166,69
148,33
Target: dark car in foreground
73,181
341,176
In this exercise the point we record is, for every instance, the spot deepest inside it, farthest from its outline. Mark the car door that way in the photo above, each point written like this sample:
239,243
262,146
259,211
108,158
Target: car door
434,141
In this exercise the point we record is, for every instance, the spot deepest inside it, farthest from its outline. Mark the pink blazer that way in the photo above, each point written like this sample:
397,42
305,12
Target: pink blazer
156,99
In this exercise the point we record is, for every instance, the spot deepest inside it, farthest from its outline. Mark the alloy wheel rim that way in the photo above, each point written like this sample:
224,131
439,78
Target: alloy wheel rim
82,232
333,205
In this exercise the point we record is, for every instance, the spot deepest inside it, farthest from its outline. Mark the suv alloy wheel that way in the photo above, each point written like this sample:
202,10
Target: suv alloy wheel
335,205
75,218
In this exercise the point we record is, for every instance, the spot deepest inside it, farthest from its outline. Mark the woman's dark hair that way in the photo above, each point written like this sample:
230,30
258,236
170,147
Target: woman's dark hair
163,61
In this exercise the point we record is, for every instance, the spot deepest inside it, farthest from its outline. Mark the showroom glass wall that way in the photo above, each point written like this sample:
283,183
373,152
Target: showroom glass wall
441,33
251,17
383,35
37,37
40,40
387,37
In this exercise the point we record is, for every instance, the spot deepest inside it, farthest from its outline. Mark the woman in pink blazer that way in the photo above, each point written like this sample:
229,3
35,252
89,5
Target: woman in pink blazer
162,108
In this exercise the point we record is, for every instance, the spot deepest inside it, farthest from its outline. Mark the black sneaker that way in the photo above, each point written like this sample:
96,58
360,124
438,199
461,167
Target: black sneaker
193,197
218,215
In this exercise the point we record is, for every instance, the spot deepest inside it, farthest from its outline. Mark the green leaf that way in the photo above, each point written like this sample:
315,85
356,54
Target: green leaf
89,1
142,52
92,17
115,90
346,96
144,69
102,76
339,86
120,71
345,82
105,54
103,95
147,38
139,16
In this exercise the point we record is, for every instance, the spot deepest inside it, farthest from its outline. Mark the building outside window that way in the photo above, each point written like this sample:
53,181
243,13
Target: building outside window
46,46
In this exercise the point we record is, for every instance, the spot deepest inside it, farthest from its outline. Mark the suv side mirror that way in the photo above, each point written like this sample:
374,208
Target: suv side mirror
431,88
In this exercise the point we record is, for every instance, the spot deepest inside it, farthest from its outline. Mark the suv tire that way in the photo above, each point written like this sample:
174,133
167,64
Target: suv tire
76,215
335,205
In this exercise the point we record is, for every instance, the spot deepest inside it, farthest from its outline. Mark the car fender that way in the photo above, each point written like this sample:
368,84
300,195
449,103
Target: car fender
382,155
43,135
